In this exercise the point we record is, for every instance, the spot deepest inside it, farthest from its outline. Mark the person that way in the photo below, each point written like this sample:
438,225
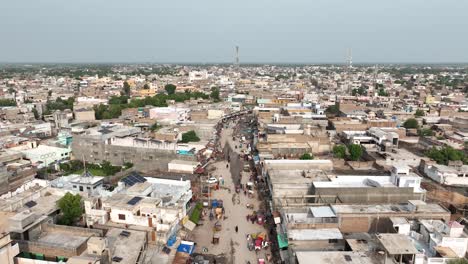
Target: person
237,229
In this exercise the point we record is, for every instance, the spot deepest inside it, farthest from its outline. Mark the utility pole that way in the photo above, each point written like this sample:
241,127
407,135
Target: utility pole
237,62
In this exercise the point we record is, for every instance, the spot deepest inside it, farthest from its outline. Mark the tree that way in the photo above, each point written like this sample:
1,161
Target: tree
446,154
36,114
7,102
215,94
190,136
355,152
155,127
170,88
382,92
306,156
419,113
339,151
126,89
146,86
333,109
411,123
70,206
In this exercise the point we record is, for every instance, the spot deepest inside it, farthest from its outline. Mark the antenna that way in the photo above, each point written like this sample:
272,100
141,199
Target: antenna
349,65
237,63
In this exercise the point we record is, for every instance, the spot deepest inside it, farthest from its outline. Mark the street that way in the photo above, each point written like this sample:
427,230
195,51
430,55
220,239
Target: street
232,247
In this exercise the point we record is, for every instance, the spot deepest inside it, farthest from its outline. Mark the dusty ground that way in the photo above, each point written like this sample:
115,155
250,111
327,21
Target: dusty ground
232,245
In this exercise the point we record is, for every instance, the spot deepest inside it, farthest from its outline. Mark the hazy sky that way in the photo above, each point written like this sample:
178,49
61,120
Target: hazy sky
302,31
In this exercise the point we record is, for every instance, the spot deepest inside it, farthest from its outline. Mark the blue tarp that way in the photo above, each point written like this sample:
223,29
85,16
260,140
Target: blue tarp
186,247
171,240
214,203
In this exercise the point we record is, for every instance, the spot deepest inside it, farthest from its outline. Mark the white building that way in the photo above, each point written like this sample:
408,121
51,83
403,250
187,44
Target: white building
447,175
44,155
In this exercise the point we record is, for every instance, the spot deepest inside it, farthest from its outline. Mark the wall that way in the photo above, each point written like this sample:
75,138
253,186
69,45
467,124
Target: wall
144,159
370,194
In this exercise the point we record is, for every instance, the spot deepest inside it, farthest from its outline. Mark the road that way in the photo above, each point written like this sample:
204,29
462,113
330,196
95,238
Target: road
232,247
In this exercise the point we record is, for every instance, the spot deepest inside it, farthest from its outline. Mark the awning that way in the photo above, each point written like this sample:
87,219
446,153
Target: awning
282,241
186,247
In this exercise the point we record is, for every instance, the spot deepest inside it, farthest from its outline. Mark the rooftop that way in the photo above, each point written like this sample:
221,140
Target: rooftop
314,234
397,244
337,257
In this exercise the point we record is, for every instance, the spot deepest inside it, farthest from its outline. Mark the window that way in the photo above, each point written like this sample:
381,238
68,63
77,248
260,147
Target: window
332,241
121,217
88,188
81,188
74,186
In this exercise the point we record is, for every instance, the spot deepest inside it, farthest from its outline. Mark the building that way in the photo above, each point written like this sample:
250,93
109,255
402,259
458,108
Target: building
43,155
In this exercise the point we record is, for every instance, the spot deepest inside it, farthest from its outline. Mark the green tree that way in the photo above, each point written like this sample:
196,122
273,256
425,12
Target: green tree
446,154
70,206
11,90
155,127
146,86
306,156
170,88
355,152
339,151
126,89
35,113
7,102
382,92
411,123
419,113
215,94
333,109
190,136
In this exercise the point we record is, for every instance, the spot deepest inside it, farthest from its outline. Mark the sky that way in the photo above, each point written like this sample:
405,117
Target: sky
206,31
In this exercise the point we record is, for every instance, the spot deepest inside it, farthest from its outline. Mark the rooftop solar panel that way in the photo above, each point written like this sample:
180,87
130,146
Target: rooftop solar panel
134,200
30,204
133,178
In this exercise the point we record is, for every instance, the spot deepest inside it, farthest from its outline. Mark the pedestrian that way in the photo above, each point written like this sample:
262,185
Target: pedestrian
214,261
237,229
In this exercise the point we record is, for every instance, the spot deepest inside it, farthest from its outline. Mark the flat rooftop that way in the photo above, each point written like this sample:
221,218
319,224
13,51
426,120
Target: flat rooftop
397,244
63,239
337,257
314,234
128,248
386,208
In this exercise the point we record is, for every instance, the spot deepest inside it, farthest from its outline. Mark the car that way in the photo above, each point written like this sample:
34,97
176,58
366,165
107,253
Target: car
212,180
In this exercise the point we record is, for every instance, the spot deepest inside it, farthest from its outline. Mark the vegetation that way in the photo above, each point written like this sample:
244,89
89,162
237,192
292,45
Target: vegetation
355,152
59,104
215,94
306,156
146,86
425,132
170,88
339,151
446,154
419,113
190,136
126,89
118,103
333,109
128,165
382,92
411,123
155,127
7,102
359,91
103,169
70,206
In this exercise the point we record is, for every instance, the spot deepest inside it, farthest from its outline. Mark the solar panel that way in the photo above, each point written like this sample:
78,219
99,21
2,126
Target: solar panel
348,258
134,200
117,259
30,204
125,233
133,178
